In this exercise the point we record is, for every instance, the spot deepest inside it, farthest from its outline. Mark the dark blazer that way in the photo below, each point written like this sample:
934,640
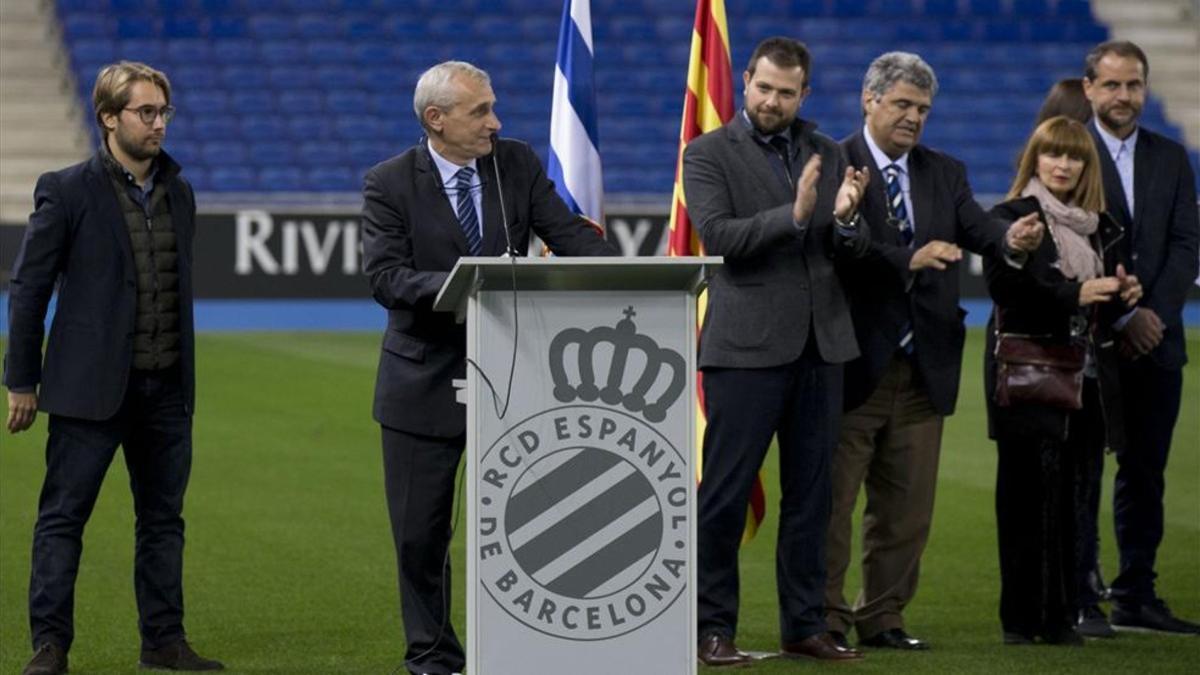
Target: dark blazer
1162,235
778,282
411,241
884,294
1039,300
77,238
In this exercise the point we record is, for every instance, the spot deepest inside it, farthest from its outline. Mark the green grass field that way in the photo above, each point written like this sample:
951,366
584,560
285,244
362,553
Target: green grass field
290,569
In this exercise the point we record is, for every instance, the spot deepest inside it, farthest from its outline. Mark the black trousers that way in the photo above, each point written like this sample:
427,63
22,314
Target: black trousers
418,473
154,429
801,402
1151,397
1037,491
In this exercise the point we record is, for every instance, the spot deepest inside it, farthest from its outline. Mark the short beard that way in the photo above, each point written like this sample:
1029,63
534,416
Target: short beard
1111,123
132,150
784,123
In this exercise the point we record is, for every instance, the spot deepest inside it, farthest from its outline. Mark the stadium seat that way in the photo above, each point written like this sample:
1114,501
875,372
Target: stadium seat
281,179
137,27
232,179
223,154
271,153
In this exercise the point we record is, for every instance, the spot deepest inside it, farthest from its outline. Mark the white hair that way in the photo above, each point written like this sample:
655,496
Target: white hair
433,88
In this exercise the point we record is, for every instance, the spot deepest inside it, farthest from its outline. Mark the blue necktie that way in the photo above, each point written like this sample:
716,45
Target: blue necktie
896,203
899,212
467,217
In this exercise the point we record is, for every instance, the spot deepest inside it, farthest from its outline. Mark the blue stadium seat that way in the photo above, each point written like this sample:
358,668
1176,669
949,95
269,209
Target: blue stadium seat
198,176
195,76
147,51
190,52
236,51
365,154
137,27
309,127
253,102
845,8
387,103
333,179
289,77
335,77
215,126
1032,8
78,26
67,6
301,101
94,50
1003,30
227,27
281,52
244,76
223,153
262,126
1049,30
348,101
320,26
356,126
271,27
271,153
332,51
364,26
281,179
174,27
201,101
232,179
543,27
985,8
940,8
187,153
1073,8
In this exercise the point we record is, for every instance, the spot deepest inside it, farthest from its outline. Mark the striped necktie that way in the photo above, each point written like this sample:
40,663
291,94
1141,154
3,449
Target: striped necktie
899,212
896,203
467,217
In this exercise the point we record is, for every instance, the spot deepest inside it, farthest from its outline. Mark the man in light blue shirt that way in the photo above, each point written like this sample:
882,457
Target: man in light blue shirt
1150,190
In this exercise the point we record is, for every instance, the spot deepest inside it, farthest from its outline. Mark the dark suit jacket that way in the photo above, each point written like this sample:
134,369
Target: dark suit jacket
778,282
1039,300
77,238
885,295
1162,236
411,241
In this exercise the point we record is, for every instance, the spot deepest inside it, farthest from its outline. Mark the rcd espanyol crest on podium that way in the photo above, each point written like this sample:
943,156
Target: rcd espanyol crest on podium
582,521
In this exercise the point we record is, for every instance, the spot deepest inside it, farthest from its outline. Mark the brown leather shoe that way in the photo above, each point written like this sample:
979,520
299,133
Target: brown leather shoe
718,650
49,659
820,646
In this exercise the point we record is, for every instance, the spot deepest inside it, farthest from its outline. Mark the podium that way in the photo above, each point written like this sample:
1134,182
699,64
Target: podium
581,480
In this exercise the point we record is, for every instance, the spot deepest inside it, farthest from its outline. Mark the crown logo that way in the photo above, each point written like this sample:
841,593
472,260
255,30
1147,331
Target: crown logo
624,341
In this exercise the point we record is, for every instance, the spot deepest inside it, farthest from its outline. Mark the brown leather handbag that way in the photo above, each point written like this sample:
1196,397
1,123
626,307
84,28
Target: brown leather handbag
1039,369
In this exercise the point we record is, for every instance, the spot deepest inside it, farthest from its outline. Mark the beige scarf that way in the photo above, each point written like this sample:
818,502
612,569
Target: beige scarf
1070,227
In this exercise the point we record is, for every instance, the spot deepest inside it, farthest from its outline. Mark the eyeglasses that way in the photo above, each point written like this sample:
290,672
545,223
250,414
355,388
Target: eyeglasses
149,113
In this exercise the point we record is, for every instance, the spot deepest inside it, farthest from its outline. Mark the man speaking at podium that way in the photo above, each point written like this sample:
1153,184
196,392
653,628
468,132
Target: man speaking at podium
460,191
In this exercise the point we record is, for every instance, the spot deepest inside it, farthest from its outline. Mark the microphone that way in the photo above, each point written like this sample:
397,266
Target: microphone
508,250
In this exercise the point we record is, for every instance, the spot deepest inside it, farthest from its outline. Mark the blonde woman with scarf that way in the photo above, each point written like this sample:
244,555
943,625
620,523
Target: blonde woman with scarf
1070,295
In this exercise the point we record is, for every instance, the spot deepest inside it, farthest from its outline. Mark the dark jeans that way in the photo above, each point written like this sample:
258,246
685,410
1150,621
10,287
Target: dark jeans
1037,485
418,474
1151,397
1087,506
155,431
801,402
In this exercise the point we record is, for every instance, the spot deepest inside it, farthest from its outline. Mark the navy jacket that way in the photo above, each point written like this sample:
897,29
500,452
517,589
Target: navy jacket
411,241
78,243
1162,236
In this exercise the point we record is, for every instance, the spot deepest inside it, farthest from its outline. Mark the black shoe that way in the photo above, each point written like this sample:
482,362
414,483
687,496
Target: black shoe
717,650
177,656
1067,636
1151,616
49,659
1092,623
1011,638
839,639
894,638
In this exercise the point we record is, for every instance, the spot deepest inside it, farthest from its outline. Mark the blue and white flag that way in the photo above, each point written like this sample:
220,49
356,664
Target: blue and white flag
574,144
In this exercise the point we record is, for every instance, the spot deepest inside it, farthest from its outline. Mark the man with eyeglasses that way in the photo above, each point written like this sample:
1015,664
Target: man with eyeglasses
114,236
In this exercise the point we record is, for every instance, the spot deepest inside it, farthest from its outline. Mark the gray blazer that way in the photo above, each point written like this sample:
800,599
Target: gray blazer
778,283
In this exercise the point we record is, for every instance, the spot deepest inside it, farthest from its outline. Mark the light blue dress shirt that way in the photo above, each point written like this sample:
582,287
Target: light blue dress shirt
1121,152
448,169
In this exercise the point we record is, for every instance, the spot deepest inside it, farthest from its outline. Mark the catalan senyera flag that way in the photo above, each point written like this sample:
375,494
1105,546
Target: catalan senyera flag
707,105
